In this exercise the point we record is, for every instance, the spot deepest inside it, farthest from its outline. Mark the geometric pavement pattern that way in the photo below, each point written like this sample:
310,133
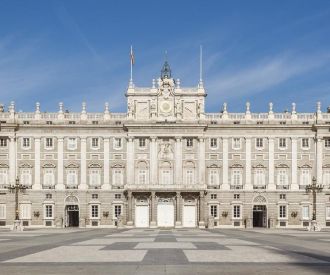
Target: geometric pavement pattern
160,246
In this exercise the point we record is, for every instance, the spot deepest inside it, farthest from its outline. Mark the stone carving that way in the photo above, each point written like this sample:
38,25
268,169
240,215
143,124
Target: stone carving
166,151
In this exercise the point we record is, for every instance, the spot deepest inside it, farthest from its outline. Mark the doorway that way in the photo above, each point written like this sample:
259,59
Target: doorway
259,216
72,215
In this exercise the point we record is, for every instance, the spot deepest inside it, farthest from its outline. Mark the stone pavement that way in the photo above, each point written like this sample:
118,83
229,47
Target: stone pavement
180,249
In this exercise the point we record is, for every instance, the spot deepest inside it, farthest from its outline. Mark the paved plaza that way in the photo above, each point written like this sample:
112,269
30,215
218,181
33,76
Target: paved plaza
164,251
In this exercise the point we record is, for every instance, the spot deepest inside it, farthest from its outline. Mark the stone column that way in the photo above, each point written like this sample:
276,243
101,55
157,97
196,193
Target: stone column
294,182
106,164
201,162
153,160
178,222
271,184
248,183
130,160
60,171
201,223
225,183
12,160
153,207
178,161
36,184
83,165
129,209
319,160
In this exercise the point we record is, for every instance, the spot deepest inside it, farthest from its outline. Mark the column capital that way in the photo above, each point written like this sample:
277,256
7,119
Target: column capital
130,139
153,138
178,139
319,139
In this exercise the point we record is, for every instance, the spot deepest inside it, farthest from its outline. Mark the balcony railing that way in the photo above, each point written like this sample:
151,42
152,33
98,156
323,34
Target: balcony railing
235,186
283,187
259,186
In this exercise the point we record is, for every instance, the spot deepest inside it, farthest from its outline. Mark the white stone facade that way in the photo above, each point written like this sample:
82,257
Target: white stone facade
165,163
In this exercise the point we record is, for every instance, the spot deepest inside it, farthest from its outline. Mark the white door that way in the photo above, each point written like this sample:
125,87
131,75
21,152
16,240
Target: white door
189,216
165,215
141,216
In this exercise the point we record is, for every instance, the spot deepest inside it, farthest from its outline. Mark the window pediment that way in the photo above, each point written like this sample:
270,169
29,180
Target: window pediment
49,165
326,166
259,166
72,165
118,165
237,166
213,166
94,165
282,165
4,165
305,166
25,165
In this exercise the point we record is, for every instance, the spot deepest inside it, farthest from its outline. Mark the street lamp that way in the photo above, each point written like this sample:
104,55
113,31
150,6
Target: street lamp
314,189
16,188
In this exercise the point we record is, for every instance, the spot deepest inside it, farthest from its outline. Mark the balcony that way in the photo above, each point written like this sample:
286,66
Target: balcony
259,186
282,187
236,187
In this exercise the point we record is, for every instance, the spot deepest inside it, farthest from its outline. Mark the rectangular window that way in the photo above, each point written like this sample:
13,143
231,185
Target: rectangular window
3,177
236,143
49,196
95,211
48,122
71,178
142,142
72,143
213,143
94,178
49,143
118,177
26,177
305,212
236,180
25,211
237,211
118,196
282,196
327,214
95,142
189,177
166,177
214,211
3,142
326,177
213,177
282,213
142,176
282,177
2,211
259,177
259,142
26,143
305,177
48,177
236,196
305,143
117,143
189,142
213,196
48,211
95,196
327,143
282,143
117,210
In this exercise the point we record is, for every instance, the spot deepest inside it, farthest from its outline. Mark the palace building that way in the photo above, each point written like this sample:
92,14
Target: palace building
164,163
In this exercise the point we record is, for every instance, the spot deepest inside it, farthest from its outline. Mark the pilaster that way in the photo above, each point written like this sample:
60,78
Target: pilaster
248,183
294,182
60,157
12,160
153,160
178,222
201,223
178,160
83,166
153,207
130,160
129,209
271,184
225,183
106,164
319,159
36,184
201,162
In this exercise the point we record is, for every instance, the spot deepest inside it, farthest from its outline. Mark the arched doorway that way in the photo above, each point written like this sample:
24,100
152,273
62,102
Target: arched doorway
71,212
259,212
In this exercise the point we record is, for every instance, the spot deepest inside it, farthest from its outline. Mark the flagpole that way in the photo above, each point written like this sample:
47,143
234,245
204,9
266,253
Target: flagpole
201,65
131,60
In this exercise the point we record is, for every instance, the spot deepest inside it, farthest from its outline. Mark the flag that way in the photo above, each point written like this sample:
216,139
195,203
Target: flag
132,56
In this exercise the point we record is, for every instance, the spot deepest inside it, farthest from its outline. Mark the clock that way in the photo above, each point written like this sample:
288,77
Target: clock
166,107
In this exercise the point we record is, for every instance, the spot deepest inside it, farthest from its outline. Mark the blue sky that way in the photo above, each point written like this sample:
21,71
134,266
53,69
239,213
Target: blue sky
76,50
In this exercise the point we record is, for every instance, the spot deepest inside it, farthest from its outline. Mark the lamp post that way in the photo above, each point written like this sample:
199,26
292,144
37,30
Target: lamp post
314,189
16,188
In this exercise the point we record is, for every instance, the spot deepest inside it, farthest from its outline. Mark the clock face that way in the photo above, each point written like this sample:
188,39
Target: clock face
166,107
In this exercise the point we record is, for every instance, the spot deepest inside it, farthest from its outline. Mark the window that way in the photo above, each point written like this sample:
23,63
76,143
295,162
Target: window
213,177
237,211
25,211
48,211
236,196
282,143
326,177
305,177
71,122
71,179
49,143
95,122
95,142
189,142
327,143
142,176
282,211
3,142
3,177
26,177
48,122
214,211
259,177
26,143
305,212
213,196
94,178
189,177
236,143
2,211
327,214
95,196
282,177
166,177
236,177
213,143
72,143
305,143
48,177
118,196
117,211
118,177
259,142
282,196
142,142
117,143
94,211
49,196
26,122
